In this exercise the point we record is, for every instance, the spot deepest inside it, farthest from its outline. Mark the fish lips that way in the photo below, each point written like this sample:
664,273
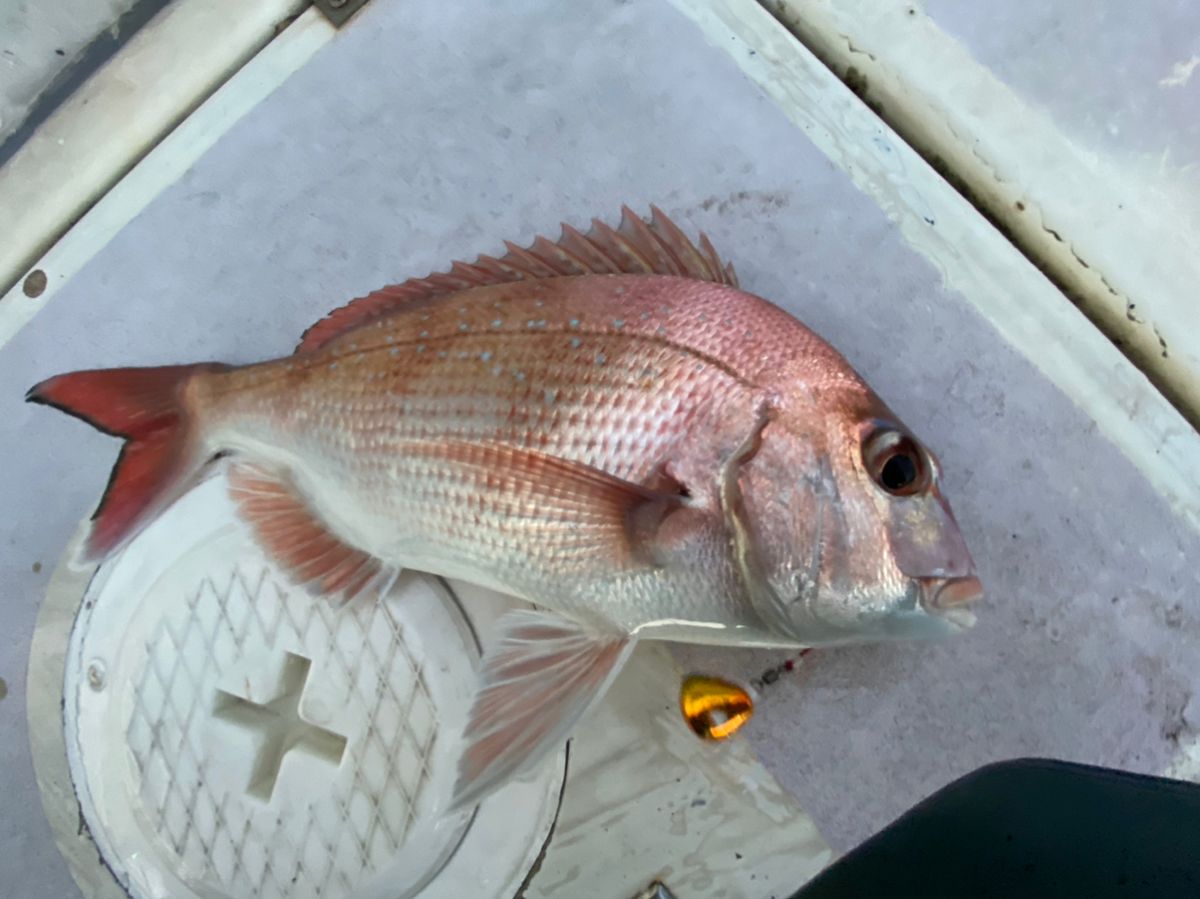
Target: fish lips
948,598
929,548
940,608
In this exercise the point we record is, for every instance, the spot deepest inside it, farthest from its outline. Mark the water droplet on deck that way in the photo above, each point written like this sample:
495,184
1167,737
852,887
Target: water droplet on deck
714,709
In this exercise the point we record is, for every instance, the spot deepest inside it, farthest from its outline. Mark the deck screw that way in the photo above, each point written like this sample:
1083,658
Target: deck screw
95,675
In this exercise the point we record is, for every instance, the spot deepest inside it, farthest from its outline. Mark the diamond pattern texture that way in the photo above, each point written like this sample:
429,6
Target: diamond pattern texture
227,840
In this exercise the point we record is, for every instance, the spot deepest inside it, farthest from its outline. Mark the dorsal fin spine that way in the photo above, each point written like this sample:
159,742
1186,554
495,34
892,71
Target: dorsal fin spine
635,247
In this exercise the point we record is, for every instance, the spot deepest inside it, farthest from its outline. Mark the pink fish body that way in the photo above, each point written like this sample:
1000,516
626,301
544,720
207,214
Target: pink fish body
606,427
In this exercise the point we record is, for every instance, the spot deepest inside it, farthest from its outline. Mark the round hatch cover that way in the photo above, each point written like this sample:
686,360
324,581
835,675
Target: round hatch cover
230,735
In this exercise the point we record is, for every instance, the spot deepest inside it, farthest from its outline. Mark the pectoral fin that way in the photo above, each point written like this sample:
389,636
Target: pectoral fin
540,677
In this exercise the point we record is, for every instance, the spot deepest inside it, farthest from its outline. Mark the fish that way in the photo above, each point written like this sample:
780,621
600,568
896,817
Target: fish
605,426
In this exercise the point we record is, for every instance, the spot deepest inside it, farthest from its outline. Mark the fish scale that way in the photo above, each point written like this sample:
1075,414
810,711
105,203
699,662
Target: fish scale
606,412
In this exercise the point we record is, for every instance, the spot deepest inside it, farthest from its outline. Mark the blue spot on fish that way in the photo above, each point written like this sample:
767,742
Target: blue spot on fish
601,358
574,323
520,376
464,327
497,322
485,356
550,395
576,343
618,323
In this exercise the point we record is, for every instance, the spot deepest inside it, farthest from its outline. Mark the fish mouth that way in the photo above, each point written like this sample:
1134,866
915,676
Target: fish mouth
949,597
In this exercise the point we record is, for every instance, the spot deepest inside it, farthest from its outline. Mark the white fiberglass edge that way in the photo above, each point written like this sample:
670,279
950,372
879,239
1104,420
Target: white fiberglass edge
77,155
971,255
1119,234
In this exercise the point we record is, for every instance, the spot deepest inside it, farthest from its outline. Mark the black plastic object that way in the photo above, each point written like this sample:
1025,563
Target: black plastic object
1031,829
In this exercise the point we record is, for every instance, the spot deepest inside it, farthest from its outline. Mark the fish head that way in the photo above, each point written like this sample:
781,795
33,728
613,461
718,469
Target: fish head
847,535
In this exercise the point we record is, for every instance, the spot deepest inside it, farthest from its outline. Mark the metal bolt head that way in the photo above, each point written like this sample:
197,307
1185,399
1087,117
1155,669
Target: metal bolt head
96,675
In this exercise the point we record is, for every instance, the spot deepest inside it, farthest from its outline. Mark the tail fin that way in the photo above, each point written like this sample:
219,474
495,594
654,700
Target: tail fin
144,406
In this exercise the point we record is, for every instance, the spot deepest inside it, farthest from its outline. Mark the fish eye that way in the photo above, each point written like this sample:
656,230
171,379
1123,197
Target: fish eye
895,462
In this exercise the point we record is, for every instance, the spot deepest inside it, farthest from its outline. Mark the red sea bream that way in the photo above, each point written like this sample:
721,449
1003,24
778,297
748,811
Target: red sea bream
605,426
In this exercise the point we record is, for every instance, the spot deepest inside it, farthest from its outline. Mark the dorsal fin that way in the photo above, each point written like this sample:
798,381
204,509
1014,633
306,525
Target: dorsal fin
656,247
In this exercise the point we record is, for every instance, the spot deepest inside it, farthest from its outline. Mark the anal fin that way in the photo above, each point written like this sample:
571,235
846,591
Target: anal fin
543,673
298,541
